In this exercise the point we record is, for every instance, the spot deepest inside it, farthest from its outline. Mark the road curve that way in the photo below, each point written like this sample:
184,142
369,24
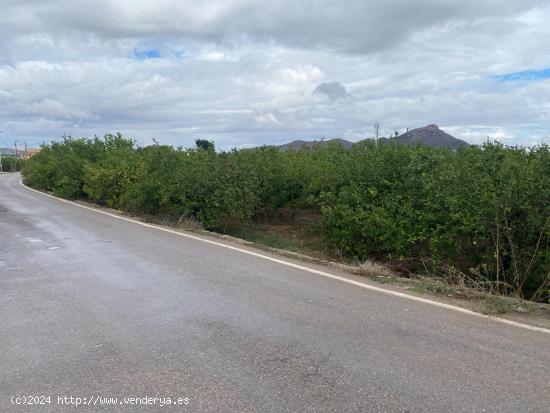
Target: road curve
94,306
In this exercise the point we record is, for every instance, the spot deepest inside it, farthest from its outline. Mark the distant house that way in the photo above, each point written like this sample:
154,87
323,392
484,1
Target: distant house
30,152
21,153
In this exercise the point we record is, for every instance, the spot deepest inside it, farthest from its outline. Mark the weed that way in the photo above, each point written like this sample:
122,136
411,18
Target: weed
375,269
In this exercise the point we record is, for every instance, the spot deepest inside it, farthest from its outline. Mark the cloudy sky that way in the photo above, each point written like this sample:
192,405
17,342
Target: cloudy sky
249,72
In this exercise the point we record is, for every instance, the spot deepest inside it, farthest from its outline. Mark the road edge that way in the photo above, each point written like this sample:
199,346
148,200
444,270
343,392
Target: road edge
304,268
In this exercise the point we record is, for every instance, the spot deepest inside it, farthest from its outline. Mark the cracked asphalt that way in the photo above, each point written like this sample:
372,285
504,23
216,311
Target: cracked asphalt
91,305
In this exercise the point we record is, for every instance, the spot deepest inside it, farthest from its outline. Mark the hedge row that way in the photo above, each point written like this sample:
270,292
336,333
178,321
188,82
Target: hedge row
9,164
482,210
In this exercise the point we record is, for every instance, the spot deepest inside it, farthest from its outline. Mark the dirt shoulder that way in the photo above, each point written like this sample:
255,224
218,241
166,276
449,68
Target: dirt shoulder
526,312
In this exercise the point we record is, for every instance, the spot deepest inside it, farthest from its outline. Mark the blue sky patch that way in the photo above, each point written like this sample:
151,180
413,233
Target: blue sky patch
180,55
524,75
146,54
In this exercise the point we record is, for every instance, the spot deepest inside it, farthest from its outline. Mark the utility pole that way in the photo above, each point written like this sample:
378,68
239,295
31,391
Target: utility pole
377,129
15,163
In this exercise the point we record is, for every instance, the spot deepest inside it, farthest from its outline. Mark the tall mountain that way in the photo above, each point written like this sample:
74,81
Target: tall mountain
429,135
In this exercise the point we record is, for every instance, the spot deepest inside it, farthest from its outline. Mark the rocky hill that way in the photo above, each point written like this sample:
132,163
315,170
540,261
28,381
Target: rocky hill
429,135
299,144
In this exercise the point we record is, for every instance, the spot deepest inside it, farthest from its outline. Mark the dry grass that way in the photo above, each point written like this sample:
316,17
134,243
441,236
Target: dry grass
371,268
189,223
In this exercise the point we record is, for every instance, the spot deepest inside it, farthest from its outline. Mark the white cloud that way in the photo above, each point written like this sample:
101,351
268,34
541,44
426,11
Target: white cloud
244,72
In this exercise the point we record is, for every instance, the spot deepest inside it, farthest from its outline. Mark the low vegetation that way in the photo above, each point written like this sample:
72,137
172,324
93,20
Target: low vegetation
9,164
480,213
372,269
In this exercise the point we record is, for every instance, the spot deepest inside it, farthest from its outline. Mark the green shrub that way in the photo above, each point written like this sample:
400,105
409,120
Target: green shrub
484,210
9,164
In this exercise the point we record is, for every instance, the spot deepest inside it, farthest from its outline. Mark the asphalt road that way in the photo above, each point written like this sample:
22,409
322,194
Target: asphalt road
95,306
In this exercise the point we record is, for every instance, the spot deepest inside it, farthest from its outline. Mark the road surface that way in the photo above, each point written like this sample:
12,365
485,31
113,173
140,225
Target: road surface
95,306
